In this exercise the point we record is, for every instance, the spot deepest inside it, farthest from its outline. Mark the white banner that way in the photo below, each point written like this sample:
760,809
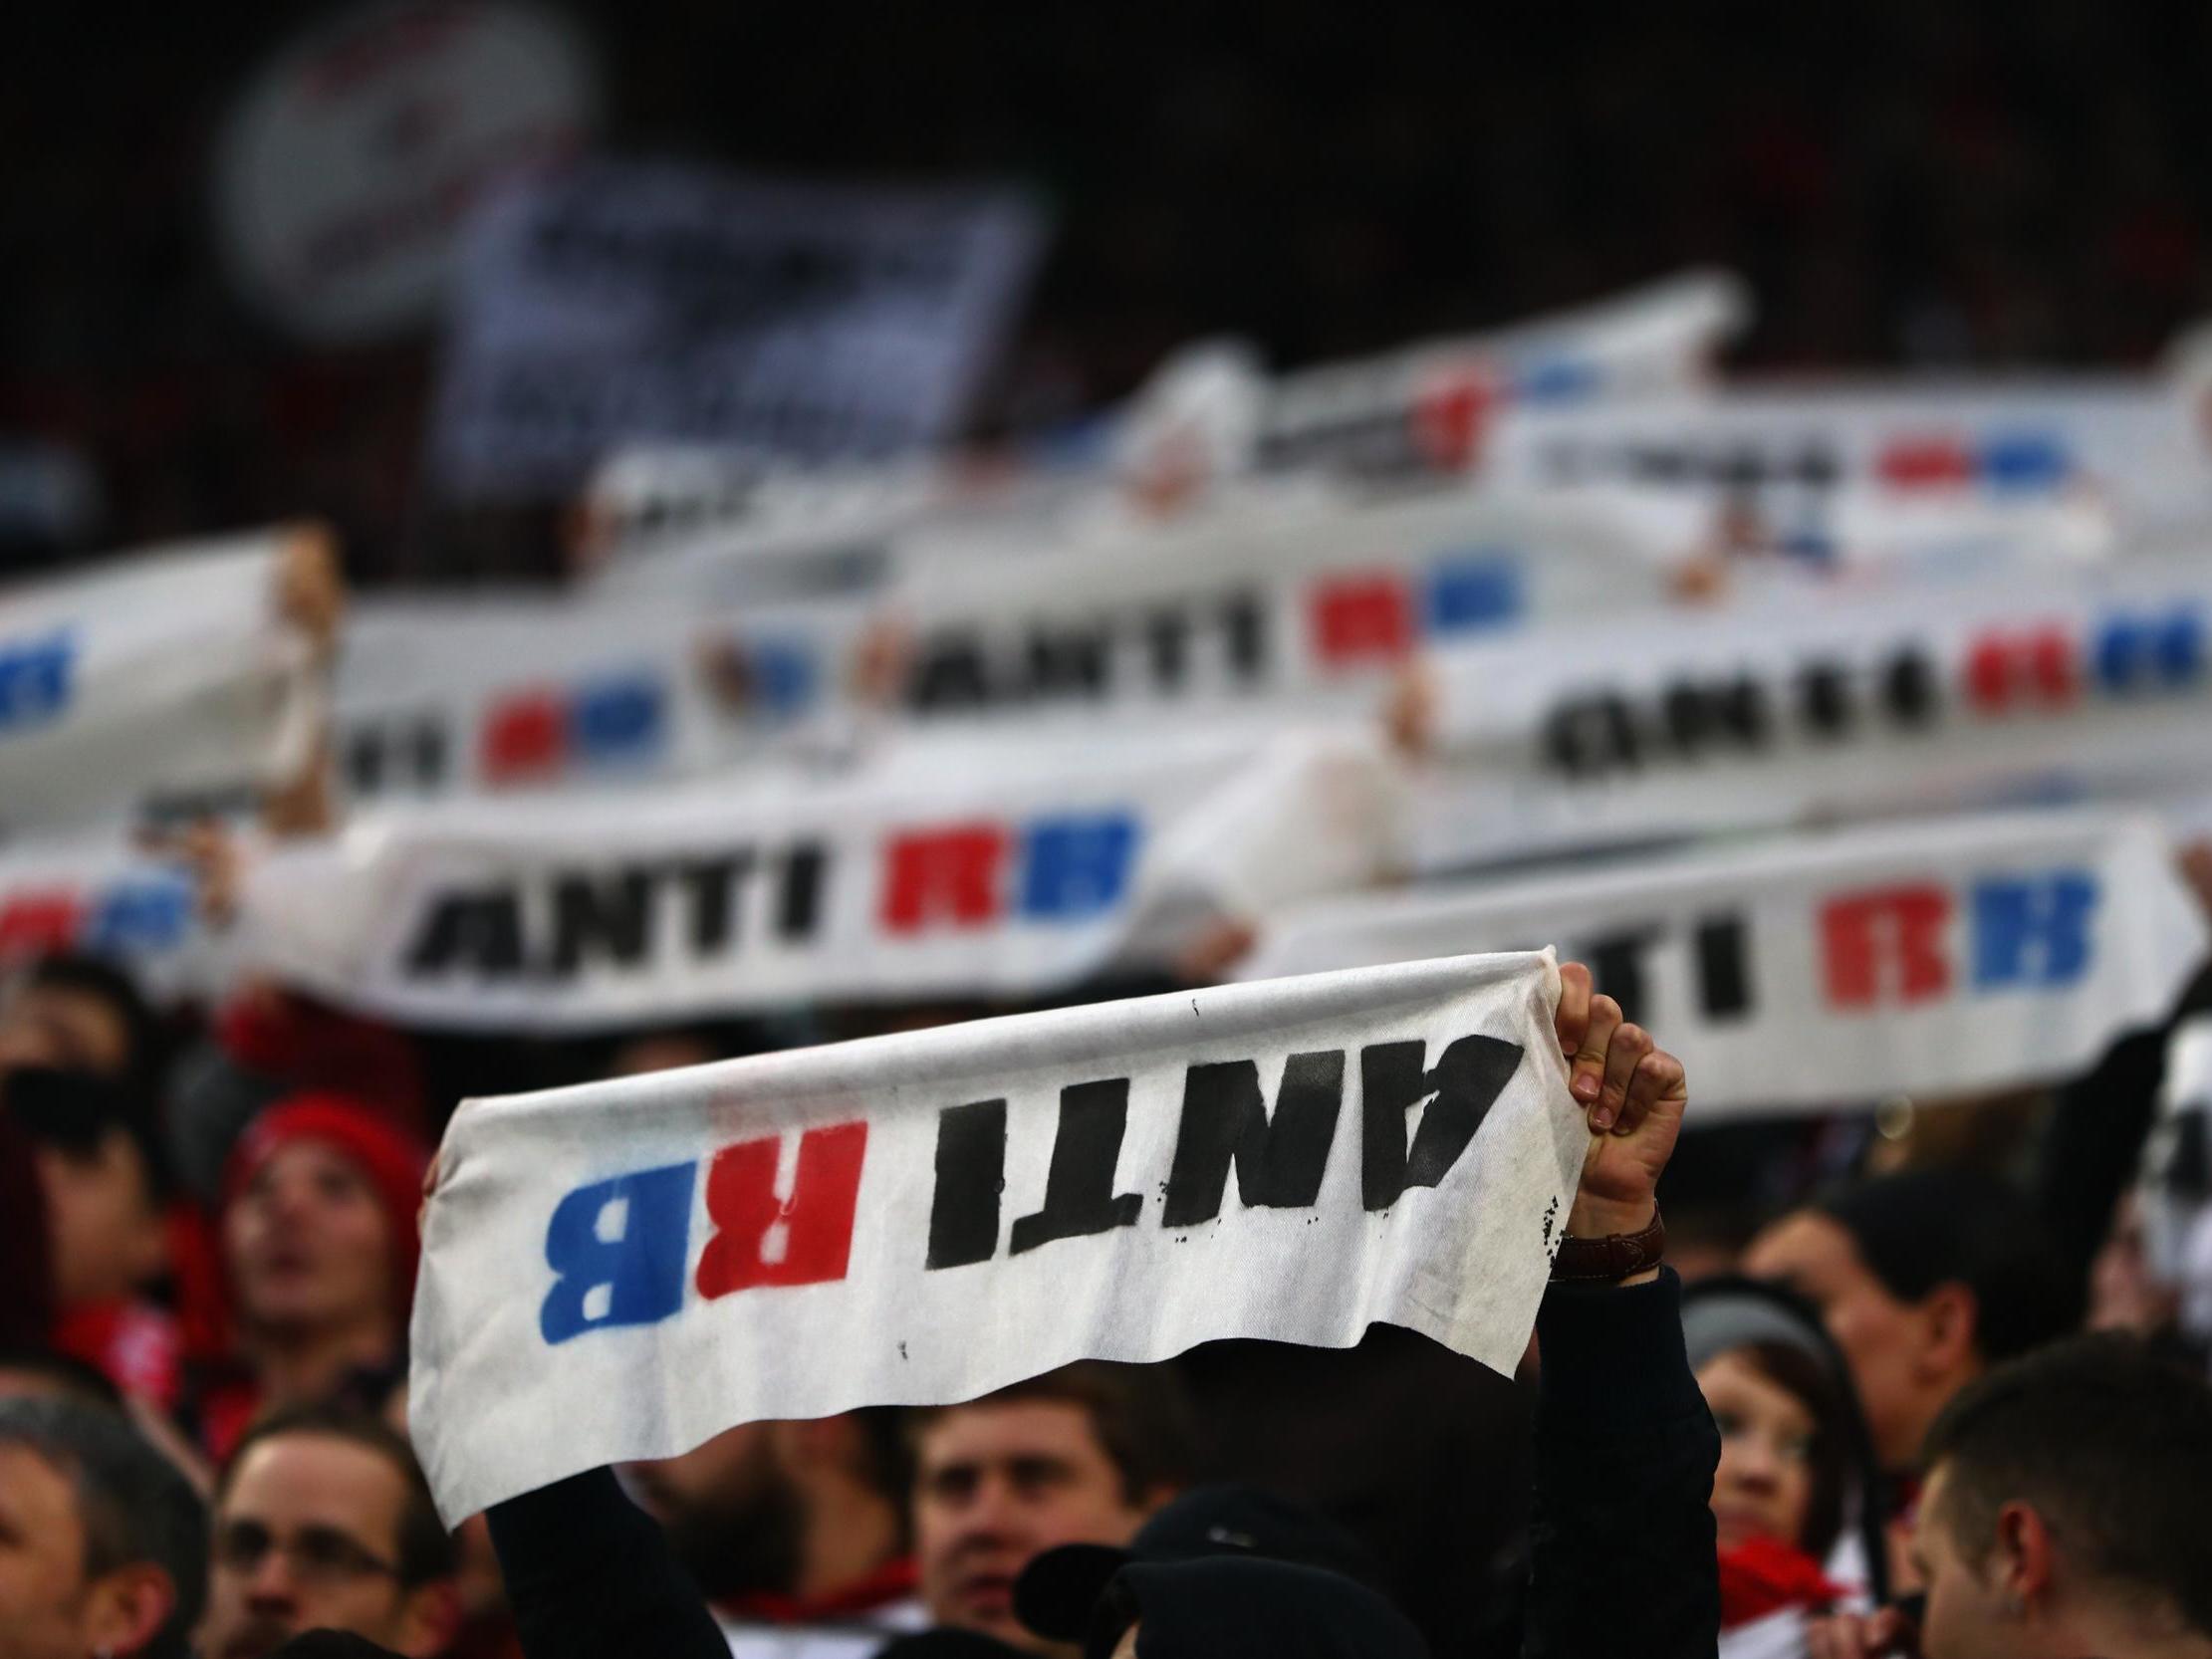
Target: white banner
530,691
1819,469
2094,684
1430,406
157,681
1928,959
1287,597
940,870
625,302
623,1269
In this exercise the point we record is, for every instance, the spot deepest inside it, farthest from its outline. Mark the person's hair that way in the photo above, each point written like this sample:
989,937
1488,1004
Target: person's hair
1800,1374
1925,1228
2110,1444
1141,1416
424,1550
76,1379
145,1038
133,1503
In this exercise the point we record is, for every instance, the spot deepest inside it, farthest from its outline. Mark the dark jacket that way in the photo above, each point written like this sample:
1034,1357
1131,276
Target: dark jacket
1623,1550
1623,1561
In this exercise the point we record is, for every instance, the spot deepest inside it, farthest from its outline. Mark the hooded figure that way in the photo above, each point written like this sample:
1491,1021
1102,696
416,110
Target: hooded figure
1218,1607
1796,1499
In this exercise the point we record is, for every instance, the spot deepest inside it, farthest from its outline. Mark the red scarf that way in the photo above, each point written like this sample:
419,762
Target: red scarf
892,1581
1764,1576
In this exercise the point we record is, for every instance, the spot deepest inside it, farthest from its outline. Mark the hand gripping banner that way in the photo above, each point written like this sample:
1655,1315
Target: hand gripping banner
623,1269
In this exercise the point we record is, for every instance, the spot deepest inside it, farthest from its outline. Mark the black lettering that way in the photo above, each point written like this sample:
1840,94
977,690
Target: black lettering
1590,735
1070,662
1279,1162
1824,696
1079,1187
1244,623
711,884
603,916
799,910
481,931
426,751
1167,644
1908,688
1616,962
364,761
1699,717
971,1174
949,672
1466,1083
1723,967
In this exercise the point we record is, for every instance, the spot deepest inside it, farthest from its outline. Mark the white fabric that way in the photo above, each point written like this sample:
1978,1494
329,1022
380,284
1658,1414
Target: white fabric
2095,682
860,1636
1933,958
1780,1635
528,691
623,1269
167,675
941,868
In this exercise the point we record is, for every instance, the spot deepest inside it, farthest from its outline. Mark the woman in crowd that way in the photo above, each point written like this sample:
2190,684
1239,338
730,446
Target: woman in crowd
1794,1504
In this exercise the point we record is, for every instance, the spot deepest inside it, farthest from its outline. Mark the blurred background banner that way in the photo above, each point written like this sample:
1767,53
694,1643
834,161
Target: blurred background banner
1985,952
627,300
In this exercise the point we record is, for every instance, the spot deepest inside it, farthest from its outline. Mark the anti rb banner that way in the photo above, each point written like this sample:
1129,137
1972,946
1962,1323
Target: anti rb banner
1817,969
623,1269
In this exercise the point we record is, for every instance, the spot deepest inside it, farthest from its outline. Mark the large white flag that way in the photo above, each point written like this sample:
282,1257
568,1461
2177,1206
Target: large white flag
623,1269
1827,969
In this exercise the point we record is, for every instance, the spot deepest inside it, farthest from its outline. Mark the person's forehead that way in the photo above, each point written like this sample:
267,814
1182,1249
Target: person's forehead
82,1013
1734,1374
37,1498
1011,1429
299,1480
1808,1244
309,1158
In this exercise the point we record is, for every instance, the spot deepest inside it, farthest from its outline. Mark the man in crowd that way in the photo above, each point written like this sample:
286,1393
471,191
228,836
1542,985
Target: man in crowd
1925,1280
1080,1455
319,1241
2062,1517
102,1544
794,1532
323,1521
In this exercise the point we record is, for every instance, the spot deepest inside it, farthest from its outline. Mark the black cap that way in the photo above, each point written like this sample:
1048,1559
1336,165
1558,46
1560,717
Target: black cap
1056,1592
1225,1606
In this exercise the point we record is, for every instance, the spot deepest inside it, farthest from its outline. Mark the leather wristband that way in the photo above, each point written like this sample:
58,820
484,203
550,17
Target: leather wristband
1614,1257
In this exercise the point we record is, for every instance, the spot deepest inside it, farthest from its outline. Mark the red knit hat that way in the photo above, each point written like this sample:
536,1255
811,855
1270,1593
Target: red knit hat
392,1158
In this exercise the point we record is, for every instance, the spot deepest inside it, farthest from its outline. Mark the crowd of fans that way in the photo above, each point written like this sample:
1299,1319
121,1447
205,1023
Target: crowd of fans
1870,1408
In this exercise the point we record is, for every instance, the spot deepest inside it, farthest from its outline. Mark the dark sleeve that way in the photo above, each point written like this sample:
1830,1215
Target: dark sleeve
589,1576
2097,1133
1624,1563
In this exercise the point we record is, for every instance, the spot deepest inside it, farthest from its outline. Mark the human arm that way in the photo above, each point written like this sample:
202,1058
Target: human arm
591,1577
1622,1555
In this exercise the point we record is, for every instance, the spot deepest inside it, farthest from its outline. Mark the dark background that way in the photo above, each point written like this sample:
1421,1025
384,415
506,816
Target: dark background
1902,185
